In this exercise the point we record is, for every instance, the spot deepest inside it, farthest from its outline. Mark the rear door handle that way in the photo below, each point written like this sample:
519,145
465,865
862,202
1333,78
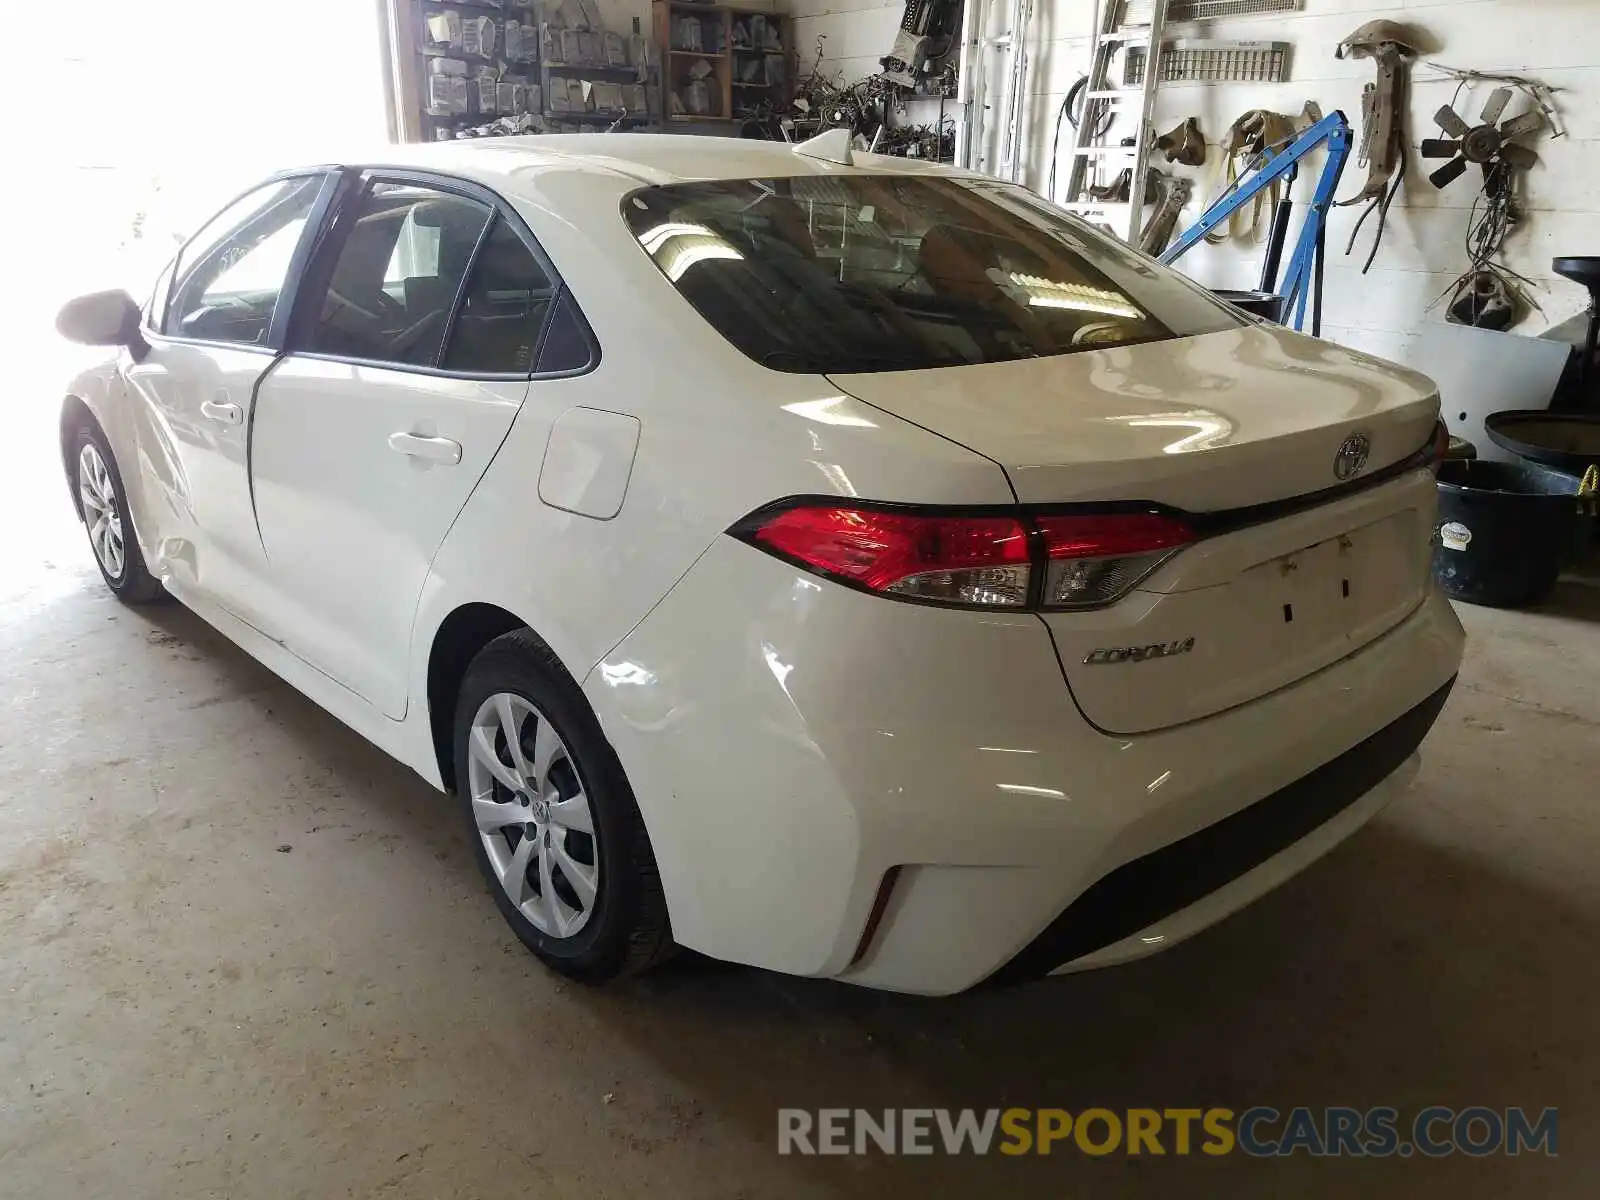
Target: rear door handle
429,449
222,410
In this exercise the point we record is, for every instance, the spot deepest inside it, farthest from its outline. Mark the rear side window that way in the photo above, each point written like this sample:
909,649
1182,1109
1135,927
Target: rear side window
895,272
503,309
394,284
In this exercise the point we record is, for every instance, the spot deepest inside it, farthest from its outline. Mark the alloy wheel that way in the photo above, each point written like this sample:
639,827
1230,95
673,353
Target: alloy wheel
532,814
100,512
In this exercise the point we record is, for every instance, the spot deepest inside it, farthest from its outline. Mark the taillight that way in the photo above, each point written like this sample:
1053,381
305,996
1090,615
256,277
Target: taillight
1091,559
1075,560
947,559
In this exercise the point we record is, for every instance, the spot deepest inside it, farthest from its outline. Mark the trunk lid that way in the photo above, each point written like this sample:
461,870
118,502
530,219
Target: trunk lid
1220,421
1209,424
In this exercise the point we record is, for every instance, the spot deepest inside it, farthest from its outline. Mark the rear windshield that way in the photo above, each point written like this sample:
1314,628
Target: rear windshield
894,272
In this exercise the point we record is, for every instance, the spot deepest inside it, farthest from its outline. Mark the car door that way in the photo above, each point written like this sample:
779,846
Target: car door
417,333
222,312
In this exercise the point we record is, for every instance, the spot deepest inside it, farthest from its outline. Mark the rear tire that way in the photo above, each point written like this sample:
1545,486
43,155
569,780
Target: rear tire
103,503
554,825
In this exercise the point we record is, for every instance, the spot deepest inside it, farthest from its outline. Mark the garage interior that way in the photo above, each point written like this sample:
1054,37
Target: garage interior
246,954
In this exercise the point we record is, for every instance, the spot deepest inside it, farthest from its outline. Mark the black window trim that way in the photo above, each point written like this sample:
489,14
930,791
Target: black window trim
357,182
287,297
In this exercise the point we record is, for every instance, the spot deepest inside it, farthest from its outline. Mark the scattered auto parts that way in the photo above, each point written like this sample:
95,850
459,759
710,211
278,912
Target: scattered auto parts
1492,147
1392,47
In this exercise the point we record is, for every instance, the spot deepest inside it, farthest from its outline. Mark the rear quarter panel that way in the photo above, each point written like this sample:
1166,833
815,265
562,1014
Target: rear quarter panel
719,436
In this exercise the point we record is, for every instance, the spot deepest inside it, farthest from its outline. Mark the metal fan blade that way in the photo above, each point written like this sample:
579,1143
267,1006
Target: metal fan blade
1440,147
1517,156
1531,121
1448,173
1498,99
1448,121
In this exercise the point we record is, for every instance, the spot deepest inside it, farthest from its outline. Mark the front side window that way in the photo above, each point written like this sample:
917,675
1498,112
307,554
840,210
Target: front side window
394,284
893,272
231,274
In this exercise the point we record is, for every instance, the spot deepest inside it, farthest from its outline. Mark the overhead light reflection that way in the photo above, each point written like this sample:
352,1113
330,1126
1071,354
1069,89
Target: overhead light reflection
1078,297
678,245
678,259
780,669
652,238
831,411
1209,429
1027,790
619,674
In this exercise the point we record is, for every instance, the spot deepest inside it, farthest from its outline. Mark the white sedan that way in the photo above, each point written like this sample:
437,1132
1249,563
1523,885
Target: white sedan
846,566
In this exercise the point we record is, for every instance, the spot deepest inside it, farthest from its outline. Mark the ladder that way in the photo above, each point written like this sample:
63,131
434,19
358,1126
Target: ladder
1119,24
986,52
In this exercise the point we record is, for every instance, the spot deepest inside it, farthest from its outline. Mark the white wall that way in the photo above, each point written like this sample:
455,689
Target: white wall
1557,40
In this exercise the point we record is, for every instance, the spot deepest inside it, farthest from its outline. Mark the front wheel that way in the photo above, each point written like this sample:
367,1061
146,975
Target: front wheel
104,503
554,825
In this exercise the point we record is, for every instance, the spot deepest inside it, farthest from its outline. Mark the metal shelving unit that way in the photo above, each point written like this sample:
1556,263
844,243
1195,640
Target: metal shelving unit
460,97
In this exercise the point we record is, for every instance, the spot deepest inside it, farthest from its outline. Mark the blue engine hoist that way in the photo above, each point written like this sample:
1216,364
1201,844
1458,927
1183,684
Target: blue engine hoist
1302,282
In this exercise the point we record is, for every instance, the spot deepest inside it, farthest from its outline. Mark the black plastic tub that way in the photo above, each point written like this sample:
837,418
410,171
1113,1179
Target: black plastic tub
1503,531
1568,442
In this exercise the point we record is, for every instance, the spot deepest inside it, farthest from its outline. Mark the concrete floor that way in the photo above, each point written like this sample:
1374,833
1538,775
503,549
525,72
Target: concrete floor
244,954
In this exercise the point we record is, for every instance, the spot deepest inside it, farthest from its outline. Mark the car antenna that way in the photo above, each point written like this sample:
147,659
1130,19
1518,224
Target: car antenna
832,146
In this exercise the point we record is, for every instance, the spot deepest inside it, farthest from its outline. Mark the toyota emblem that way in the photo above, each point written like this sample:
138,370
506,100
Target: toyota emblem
1352,456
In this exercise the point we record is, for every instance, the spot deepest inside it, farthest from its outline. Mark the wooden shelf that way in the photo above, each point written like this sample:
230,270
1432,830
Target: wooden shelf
593,117
717,23
485,9
582,68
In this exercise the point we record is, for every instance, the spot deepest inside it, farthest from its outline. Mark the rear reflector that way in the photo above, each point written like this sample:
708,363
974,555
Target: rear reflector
946,559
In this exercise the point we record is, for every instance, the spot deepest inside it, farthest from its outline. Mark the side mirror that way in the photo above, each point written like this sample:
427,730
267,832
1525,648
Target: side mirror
103,319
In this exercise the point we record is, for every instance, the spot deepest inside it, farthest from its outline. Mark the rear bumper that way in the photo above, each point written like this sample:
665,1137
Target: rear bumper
1139,898
791,742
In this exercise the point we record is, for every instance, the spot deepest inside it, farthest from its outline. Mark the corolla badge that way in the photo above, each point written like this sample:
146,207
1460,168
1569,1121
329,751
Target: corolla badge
1351,456
1124,654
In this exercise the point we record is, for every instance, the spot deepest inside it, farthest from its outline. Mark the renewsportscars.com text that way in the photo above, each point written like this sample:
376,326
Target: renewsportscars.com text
1433,1132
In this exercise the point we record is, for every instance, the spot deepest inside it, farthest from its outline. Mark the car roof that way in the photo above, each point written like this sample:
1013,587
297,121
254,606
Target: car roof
650,158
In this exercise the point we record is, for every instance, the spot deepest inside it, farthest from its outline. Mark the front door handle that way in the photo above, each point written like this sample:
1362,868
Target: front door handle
222,410
429,449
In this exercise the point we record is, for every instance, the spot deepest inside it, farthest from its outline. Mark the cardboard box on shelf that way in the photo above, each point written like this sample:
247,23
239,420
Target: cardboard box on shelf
447,95
488,94
444,29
